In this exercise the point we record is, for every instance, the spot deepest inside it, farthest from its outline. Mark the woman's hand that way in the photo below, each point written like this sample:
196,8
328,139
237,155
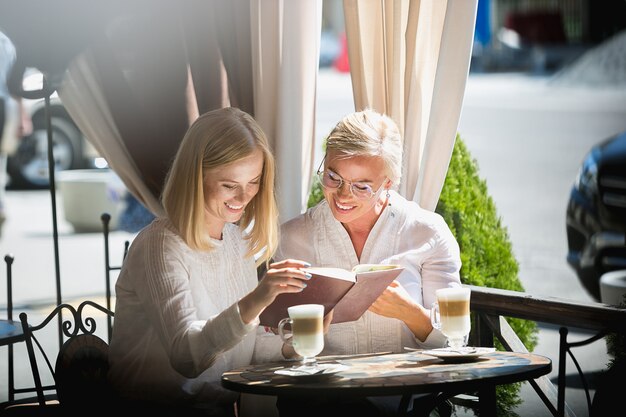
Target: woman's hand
281,277
396,303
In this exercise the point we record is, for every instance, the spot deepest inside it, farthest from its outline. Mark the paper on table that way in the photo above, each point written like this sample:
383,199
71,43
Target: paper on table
304,370
458,354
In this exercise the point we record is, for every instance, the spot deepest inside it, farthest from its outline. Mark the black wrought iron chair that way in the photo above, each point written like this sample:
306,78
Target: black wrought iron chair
80,372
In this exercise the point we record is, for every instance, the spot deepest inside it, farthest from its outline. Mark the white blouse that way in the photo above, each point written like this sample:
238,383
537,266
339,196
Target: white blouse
404,234
177,324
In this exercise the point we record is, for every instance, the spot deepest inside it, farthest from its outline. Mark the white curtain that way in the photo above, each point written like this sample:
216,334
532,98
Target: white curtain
410,60
259,55
134,98
83,99
285,51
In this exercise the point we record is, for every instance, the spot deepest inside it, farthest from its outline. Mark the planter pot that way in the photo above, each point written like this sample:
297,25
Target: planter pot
86,194
613,287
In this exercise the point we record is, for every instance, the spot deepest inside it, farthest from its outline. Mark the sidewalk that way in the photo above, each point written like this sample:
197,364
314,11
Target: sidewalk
27,235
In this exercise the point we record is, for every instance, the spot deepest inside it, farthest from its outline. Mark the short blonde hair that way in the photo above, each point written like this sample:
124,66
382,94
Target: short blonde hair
369,133
217,138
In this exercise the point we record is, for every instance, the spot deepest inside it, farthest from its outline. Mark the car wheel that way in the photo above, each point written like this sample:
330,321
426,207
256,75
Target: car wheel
28,166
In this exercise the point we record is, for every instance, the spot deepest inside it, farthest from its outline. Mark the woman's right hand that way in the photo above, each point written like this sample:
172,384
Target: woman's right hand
281,277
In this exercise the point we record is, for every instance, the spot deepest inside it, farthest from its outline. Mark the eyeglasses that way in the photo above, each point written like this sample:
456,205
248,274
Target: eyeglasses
331,180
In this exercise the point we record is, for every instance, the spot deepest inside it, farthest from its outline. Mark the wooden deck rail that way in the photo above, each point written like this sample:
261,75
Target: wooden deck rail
491,305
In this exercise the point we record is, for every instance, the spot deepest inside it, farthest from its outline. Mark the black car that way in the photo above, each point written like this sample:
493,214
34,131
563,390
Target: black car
596,214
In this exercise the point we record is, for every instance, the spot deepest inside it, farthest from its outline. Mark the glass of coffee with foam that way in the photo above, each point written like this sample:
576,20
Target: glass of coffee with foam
451,314
307,331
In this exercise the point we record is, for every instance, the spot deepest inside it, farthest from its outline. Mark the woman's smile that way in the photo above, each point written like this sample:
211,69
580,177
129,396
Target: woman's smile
234,208
343,207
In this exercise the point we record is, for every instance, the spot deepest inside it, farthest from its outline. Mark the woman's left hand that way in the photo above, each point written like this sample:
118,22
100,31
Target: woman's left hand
396,303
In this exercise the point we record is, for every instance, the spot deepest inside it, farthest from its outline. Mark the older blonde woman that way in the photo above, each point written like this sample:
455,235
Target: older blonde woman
362,220
188,297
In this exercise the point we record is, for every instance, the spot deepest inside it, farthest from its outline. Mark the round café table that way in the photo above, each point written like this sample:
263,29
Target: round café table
10,332
389,374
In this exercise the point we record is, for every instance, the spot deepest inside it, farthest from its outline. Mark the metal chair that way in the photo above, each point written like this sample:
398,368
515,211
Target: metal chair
106,219
11,331
80,371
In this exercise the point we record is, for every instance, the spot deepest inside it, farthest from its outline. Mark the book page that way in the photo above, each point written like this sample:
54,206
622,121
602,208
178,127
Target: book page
371,267
338,273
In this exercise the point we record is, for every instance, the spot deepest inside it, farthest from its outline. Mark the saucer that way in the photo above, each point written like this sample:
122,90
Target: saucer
458,355
463,354
323,370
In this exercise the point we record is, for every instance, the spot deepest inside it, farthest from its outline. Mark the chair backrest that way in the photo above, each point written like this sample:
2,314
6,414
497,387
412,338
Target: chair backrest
82,362
81,371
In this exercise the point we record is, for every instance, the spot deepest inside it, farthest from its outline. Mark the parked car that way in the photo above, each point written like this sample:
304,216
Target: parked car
596,214
28,165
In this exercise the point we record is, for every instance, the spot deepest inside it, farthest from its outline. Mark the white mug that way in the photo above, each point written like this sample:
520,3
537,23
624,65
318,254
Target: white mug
451,314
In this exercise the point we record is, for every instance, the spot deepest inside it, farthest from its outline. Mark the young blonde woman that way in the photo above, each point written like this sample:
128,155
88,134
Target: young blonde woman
188,297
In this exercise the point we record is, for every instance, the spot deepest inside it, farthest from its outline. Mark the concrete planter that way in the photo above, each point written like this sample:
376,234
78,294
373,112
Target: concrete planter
613,287
86,194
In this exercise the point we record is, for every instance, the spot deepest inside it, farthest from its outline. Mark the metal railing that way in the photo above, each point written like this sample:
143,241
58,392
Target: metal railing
492,305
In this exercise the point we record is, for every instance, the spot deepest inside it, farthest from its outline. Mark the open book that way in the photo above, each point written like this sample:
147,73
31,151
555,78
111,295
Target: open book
348,293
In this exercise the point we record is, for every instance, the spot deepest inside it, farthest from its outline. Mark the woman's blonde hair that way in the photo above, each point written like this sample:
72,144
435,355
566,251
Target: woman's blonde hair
217,138
369,133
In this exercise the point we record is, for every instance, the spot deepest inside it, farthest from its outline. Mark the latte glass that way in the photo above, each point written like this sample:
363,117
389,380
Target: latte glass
451,314
307,331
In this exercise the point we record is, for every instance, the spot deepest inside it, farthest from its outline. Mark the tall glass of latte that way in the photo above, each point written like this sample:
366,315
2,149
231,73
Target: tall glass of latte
307,330
451,314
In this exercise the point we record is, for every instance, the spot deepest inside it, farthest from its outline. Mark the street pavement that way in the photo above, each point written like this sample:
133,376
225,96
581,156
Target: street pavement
527,136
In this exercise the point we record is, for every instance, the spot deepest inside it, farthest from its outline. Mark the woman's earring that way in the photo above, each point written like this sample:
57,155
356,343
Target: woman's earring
388,195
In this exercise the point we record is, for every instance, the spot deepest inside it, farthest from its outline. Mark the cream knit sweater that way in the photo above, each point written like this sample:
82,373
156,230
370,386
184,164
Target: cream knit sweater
177,325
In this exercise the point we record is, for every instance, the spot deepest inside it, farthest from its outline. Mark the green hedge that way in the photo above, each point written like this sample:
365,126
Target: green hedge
486,251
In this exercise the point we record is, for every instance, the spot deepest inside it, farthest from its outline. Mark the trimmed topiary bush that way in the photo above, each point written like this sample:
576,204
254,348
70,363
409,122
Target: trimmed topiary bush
607,397
486,250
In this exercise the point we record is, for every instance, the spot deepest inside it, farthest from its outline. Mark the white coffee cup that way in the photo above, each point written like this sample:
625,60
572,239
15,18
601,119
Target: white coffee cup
451,314
307,328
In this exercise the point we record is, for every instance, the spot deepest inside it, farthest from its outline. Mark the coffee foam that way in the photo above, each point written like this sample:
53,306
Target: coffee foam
453,294
306,310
